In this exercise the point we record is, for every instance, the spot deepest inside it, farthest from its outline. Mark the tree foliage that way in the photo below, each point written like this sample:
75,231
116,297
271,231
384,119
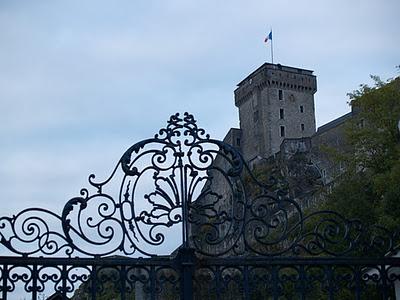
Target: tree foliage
369,189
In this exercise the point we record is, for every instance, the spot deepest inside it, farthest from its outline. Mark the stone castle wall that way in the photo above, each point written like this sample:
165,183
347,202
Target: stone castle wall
275,102
275,96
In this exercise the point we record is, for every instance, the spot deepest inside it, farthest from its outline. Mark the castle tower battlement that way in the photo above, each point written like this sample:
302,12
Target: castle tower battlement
275,102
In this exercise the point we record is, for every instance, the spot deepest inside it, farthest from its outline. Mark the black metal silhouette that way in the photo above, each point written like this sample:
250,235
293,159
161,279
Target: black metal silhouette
228,223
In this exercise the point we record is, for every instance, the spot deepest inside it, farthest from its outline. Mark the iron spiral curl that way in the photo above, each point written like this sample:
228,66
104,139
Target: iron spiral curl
182,178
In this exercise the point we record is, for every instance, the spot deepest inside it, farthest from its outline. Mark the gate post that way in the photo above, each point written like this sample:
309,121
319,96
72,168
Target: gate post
186,260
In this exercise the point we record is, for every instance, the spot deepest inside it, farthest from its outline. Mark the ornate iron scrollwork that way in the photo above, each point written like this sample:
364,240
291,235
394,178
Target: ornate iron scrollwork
184,179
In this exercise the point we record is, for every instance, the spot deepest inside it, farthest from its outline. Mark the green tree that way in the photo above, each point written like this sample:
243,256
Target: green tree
369,189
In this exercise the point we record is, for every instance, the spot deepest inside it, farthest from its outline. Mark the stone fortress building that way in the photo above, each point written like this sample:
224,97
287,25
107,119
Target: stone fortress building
275,102
277,128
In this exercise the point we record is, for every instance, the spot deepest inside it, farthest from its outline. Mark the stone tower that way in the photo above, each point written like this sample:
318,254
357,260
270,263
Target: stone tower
275,102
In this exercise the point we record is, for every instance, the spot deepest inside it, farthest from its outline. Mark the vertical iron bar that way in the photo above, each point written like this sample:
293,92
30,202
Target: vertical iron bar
5,277
64,276
384,282
152,283
275,282
182,171
34,282
93,288
210,287
357,282
246,289
303,282
217,282
122,279
187,283
186,206
185,259
330,278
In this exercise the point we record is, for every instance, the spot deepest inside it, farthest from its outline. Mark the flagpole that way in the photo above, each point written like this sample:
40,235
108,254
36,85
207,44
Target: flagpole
272,48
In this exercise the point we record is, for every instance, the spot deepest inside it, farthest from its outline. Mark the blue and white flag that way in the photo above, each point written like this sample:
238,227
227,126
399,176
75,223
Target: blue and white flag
269,37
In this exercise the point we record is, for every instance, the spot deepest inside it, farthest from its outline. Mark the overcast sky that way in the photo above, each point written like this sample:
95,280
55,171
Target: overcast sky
80,81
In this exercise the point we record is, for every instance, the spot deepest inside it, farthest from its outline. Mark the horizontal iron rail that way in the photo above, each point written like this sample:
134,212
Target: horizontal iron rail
98,261
245,261
172,261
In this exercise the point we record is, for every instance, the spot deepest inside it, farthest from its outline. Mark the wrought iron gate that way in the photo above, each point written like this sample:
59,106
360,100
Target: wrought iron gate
237,238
